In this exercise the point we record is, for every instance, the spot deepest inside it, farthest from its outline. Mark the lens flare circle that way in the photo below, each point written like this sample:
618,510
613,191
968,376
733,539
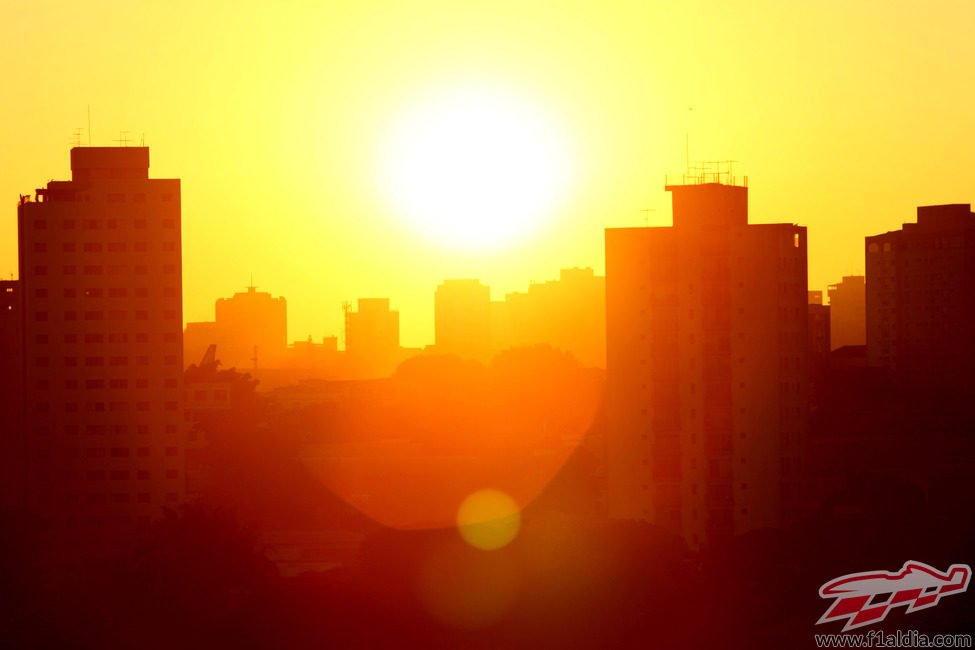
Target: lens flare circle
488,519
476,168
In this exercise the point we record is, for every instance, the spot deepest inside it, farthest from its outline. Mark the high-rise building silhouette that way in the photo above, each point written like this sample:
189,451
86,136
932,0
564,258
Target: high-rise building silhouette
100,270
847,312
921,299
372,338
706,339
462,319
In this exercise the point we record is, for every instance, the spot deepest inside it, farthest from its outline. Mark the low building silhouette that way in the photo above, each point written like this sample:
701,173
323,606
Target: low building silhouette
848,312
250,331
462,319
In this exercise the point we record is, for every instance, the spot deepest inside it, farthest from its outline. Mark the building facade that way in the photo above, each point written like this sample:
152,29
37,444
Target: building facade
706,340
920,299
848,312
100,272
462,319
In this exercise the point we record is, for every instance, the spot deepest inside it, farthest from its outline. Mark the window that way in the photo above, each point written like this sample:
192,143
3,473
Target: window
171,451
40,270
40,316
172,473
94,315
92,247
92,269
67,247
116,247
70,315
117,292
69,270
40,247
69,293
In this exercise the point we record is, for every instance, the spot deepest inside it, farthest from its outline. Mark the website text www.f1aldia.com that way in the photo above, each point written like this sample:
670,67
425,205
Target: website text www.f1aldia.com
898,639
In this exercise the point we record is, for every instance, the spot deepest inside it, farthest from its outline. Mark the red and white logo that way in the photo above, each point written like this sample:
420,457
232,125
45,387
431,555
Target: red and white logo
865,598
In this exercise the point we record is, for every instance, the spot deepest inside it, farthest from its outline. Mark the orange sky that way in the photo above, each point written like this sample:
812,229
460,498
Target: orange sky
844,116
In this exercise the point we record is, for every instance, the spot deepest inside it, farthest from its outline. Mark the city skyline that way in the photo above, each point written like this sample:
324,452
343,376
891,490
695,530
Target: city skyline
304,145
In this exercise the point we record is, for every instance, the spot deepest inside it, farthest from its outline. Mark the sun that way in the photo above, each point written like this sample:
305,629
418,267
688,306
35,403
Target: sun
476,168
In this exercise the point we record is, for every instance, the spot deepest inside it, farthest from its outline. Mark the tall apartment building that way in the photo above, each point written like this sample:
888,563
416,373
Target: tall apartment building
848,312
706,341
462,319
921,299
100,272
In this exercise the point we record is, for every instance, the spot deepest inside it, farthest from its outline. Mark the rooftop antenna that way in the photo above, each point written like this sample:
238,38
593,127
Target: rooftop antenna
76,141
142,142
646,215
687,146
89,125
123,138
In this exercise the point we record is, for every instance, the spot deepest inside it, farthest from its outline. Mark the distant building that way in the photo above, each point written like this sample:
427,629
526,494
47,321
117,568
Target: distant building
707,378
921,299
100,270
462,319
567,314
250,331
255,329
819,344
372,338
848,312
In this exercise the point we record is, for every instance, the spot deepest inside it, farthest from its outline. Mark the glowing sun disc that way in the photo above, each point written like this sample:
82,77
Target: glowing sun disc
475,168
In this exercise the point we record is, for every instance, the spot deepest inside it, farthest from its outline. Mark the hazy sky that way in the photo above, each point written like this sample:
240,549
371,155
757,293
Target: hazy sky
276,116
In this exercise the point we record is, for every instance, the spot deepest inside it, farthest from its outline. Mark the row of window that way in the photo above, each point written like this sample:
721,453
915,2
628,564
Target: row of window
112,475
106,452
111,224
103,407
99,384
113,292
112,314
98,269
101,429
112,337
94,362
98,247
120,498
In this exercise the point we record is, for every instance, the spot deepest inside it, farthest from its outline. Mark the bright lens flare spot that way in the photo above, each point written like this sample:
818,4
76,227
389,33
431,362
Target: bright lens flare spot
488,519
476,168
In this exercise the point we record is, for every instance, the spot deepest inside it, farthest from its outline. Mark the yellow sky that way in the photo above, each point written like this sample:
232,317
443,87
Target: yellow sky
844,115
